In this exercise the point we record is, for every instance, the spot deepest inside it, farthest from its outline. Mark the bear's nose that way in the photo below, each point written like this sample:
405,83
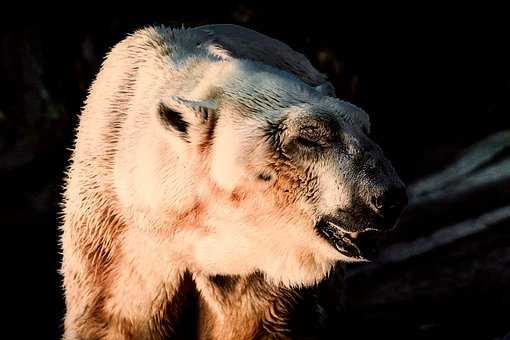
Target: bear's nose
390,203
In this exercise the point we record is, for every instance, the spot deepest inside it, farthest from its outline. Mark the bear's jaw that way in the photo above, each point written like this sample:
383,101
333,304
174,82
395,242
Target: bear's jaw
283,262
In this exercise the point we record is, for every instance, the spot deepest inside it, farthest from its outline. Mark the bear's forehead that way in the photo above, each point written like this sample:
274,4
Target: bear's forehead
265,86
262,91
332,114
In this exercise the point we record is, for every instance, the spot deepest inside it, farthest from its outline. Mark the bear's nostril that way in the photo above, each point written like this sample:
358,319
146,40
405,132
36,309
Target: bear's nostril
391,202
377,202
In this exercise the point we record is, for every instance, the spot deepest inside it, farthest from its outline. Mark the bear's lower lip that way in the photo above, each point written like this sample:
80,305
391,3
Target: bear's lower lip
344,242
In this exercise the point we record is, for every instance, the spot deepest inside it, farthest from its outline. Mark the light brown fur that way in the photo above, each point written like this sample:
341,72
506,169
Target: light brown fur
262,310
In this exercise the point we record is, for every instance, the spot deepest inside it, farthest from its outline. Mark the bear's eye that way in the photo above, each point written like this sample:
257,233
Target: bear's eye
307,142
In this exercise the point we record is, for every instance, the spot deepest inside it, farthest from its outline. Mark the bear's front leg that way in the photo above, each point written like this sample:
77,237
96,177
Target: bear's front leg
243,307
138,294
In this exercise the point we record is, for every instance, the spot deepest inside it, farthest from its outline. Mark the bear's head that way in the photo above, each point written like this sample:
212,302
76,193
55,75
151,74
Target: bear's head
289,173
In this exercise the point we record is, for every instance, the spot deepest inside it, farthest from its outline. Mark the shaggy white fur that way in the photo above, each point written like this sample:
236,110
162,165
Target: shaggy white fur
145,203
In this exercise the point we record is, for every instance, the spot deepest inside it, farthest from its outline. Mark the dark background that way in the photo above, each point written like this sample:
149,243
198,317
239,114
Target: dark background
432,82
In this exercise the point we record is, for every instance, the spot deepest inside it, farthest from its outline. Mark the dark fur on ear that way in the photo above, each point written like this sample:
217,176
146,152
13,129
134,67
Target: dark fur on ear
190,119
173,119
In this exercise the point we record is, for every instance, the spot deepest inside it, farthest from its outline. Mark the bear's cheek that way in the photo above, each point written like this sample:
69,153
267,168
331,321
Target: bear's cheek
225,172
225,168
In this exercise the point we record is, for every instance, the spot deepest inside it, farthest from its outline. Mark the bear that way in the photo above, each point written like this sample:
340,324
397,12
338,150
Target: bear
215,180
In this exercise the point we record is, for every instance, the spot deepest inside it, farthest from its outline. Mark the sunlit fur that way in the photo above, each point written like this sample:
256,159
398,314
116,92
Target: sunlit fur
144,206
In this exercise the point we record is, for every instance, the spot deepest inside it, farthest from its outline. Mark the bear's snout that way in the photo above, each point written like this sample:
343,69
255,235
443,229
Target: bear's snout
388,204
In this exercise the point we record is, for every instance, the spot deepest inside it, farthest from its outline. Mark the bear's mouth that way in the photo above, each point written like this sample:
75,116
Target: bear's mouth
359,246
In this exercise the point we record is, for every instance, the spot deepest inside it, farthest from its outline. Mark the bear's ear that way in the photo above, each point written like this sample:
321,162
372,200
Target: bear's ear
180,115
326,89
